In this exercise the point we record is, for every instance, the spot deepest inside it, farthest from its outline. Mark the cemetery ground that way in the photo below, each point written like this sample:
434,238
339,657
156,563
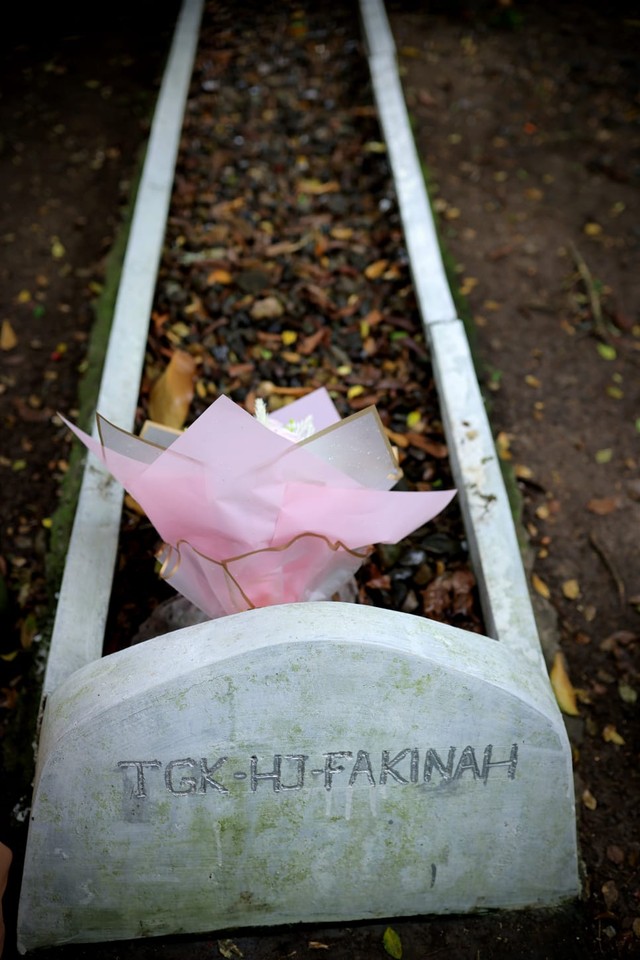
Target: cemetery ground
526,118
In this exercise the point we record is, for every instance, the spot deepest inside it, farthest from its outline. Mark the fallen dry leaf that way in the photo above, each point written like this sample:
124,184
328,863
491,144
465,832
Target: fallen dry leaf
571,589
627,693
589,800
310,344
503,441
611,735
603,505
342,233
392,943
433,447
229,949
172,393
540,586
522,472
562,686
133,505
220,275
317,188
8,338
57,248
267,309
376,269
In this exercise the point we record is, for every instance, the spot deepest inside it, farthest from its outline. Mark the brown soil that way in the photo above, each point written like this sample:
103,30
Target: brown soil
527,120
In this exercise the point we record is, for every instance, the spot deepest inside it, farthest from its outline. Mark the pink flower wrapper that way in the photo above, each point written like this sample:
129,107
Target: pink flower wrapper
251,519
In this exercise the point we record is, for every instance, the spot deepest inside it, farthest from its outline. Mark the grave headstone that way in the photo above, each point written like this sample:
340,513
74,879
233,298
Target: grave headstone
310,762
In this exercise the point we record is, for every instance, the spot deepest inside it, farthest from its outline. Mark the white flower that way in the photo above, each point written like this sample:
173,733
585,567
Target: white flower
293,430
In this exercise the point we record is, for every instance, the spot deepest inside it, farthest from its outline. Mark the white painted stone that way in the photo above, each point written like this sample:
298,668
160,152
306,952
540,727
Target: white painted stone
318,798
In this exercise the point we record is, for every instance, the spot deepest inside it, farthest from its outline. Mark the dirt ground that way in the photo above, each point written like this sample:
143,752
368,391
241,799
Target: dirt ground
526,116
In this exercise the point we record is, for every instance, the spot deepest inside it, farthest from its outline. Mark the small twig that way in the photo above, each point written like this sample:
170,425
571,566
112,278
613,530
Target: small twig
594,296
610,565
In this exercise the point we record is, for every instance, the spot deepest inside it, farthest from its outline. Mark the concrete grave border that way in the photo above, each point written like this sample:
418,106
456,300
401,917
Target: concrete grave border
81,614
483,499
75,667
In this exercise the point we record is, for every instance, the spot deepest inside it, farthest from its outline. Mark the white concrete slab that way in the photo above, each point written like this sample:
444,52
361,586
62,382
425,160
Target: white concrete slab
312,762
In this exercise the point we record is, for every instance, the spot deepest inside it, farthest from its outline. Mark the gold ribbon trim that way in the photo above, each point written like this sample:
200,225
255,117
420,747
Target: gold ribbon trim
170,565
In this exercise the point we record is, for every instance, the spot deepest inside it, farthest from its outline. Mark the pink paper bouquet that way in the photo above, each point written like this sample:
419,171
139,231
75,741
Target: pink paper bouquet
252,515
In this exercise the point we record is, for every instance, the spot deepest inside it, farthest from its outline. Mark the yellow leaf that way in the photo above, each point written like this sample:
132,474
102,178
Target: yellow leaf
133,505
353,392
502,445
288,337
412,52
532,381
540,586
392,943
23,297
219,275
8,338
317,187
562,687
592,229
589,800
413,419
342,233
8,657
57,249
571,589
172,392
522,472
376,269
467,285
180,331
611,735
